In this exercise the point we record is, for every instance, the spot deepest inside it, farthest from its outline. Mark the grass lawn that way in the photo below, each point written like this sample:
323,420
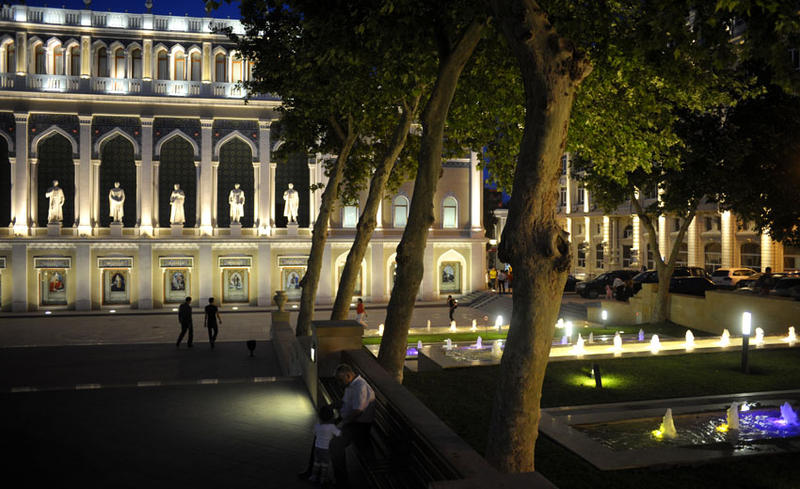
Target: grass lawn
626,379
662,329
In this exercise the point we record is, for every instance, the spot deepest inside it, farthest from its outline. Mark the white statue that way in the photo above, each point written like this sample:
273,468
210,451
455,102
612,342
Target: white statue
56,196
116,199
292,199
176,215
236,200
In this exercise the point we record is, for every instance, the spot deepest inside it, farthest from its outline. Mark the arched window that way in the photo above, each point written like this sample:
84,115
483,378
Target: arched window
102,62
400,211
119,63
450,213
74,61
219,68
197,65
350,215
236,70
39,60
11,58
180,66
136,63
58,59
162,67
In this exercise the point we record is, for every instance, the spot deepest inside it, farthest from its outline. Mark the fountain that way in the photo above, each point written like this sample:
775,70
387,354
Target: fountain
689,344
429,325
498,323
419,345
791,338
564,340
497,349
759,338
788,416
448,344
617,348
591,337
655,344
641,335
560,323
479,343
578,348
725,339
474,325
667,428
380,329
733,417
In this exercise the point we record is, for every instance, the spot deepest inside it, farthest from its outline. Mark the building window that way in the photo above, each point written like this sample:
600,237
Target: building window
450,273
39,58
58,60
627,233
162,67
582,255
564,162
579,229
11,58
219,68
599,255
74,61
450,213
196,66
400,211
683,255
581,195
350,216
236,70
651,263
651,193
626,256
562,196
136,63
599,228
180,66
712,255
119,63
751,256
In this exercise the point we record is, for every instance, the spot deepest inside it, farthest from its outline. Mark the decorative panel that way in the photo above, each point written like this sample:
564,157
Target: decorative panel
115,262
235,261
117,165
235,167
55,163
177,166
176,262
52,262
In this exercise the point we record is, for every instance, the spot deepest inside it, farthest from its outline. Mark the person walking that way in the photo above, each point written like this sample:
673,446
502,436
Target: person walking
361,313
212,321
185,318
357,410
501,282
452,304
492,278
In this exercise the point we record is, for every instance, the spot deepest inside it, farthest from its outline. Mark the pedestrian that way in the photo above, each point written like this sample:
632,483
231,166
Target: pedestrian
324,431
501,282
509,280
361,313
451,304
609,293
212,321
357,409
185,318
492,278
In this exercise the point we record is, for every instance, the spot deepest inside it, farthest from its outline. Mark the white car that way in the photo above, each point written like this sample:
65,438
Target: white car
729,277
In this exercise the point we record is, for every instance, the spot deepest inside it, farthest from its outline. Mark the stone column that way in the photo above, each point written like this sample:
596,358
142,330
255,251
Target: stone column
726,235
208,64
147,60
475,195
429,290
33,178
20,176
606,242
149,185
83,277
144,272
691,244
663,237
206,192
138,163
265,180
378,275
19,273
205,267
637,241
312,195
271,206
86,57
83,189
264,275
767,252
324,292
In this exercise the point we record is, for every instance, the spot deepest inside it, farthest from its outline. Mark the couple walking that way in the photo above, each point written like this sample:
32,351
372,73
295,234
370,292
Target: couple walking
211,322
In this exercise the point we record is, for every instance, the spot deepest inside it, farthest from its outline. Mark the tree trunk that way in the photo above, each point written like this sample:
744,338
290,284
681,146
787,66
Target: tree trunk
533,242
367,221
310,281
411,250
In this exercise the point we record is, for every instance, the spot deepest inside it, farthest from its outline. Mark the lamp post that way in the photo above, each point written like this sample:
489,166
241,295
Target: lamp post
746,324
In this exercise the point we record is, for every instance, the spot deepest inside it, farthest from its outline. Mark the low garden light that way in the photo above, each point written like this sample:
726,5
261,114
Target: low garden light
498,323
604,315
746,325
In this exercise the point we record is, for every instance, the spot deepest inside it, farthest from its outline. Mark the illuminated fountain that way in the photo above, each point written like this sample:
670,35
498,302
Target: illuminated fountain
478,344
758,340
725,339
732,416
791,338
578,349
667,428
429,325
689,343
617,348
498,323
419,345
452,326
497,349
655,344
380,329
474,325
788,416
641,335
448,344
591,337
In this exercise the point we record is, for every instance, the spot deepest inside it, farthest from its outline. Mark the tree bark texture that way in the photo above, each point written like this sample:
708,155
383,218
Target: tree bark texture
310,281
368,219
533,241
665,268
411,250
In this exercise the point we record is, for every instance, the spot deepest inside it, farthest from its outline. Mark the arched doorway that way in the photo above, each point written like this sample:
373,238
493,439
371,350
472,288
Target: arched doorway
235,166
117,165
55,163
177,166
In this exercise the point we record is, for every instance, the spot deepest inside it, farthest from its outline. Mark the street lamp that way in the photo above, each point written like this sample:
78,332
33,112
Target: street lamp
746,325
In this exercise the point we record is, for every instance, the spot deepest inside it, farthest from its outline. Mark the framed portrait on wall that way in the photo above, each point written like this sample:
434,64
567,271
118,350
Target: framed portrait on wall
291,282
116,287
450,277
177,285
53,287
235,285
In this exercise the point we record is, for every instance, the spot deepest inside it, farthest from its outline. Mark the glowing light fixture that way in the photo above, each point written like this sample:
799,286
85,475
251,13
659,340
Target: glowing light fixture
604,315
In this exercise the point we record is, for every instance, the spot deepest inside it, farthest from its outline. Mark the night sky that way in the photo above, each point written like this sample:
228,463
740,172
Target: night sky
195,8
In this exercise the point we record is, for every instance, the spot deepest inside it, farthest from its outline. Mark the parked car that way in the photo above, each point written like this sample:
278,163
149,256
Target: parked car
597,286
571,283
729,277
749,284
691,285
782,287
651,276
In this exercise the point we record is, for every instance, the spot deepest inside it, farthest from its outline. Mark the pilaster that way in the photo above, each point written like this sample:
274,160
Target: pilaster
19,272
147,59
206,192
477,264
324,292
767,252
428,292
271,207
378,278
86,57
207,62
264,278
475,195
145,275
692,245
83,277
204,270
726,235
83,195
19,190
147,189
265,203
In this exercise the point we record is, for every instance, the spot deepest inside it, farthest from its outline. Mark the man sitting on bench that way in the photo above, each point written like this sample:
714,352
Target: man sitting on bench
357,410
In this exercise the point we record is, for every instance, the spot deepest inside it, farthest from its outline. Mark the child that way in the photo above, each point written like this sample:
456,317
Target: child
324,431
361,313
